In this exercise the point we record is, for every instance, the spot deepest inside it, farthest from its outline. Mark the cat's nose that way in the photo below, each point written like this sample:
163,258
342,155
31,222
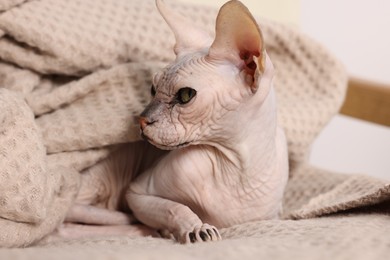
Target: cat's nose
143,122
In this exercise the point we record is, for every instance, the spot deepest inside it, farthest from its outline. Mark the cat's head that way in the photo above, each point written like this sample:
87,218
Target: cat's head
206,91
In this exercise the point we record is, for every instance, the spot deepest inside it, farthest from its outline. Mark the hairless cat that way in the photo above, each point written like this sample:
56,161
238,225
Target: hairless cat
214,108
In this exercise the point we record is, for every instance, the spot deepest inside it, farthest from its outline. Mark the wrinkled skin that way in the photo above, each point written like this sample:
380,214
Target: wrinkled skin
233,166
228,160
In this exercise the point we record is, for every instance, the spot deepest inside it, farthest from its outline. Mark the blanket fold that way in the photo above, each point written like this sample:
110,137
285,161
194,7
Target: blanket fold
34,197
74,75
23,179
312,192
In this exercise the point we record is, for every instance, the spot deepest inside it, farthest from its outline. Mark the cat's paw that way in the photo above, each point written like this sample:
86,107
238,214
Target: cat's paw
203,233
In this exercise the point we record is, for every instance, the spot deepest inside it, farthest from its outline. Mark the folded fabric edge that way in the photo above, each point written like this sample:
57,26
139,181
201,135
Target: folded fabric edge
373,198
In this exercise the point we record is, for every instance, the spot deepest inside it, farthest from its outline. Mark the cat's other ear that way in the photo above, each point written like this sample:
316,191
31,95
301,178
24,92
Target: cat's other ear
188,37
239,40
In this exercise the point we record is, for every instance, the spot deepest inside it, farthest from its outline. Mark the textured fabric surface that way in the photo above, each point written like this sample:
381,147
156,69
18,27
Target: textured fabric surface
75,73
320,238
33,196
24,182
6,4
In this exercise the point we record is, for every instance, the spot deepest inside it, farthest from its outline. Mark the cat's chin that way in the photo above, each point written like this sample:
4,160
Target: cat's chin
165,147
170,147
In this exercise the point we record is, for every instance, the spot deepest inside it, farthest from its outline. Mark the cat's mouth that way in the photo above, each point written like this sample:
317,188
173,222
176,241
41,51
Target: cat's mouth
162,146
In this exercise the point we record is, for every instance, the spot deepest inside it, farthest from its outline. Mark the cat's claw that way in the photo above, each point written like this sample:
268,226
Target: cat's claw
203,233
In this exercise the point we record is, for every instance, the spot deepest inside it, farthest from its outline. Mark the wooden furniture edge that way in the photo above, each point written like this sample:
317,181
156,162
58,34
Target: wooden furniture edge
368,101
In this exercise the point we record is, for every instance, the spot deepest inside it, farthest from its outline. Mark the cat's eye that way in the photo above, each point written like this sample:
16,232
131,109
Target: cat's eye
184,95
152,91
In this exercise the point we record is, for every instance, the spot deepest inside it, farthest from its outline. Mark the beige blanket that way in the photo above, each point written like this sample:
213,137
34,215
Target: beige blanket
74,73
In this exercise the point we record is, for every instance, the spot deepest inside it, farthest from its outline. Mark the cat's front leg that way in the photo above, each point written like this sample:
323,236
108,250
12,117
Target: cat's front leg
169,215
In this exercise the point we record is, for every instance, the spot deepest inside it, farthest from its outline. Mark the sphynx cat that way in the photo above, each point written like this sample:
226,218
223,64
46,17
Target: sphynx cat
214,108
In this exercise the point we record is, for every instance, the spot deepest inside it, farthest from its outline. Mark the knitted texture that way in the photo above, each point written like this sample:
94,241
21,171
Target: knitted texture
6,4
33,197
24,182
83,68
353,236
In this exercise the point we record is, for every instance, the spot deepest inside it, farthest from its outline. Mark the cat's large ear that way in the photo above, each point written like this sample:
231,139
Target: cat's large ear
189,38
239,40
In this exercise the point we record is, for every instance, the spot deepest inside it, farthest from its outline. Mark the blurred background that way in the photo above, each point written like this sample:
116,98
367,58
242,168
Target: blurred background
357,32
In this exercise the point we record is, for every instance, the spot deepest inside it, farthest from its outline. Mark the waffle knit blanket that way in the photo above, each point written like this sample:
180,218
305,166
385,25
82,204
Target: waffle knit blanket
73,74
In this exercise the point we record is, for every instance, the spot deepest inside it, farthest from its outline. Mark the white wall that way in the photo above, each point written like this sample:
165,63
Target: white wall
350,145
357,31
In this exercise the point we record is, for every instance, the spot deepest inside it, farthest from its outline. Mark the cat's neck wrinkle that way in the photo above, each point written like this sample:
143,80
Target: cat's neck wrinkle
249,149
